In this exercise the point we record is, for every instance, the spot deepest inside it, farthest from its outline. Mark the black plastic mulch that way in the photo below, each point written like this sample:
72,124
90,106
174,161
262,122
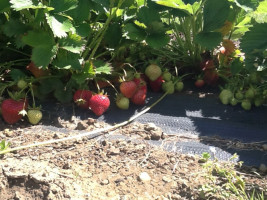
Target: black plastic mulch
187,114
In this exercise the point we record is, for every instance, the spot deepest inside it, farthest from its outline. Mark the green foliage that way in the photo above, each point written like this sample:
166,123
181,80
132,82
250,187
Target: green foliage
209,40
224,181
260,14
4,145
215,14
254,44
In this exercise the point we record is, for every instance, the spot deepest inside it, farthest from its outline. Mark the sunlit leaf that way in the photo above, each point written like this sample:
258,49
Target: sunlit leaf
72,43
260,14
102,67
59,25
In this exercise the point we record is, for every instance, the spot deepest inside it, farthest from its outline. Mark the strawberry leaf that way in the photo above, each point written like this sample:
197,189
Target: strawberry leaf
17,74
21,4
83,30
113,34
104,3
27,4
80,78
72,43
147,15
157,40
38,38
260,15
14,27
59,25
4,5
209,39
213,20
102,67
81,12
133,32
64,95
63,5
43,55
67,60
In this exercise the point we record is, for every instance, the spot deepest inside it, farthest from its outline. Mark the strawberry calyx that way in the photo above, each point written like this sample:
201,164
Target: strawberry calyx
16,95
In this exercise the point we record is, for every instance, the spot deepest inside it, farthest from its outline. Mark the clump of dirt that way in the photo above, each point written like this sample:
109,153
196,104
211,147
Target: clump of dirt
100,168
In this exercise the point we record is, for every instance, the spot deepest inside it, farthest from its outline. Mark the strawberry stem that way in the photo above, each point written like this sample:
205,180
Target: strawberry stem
32,93
112,86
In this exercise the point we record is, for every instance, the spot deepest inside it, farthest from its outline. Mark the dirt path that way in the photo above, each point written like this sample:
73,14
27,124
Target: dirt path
100,168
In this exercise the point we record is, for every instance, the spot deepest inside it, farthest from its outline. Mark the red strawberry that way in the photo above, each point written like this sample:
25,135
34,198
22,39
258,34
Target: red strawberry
137,79
11,108
128,88
199,83
211,77
141,84
139,97
82,98
99,103
156,85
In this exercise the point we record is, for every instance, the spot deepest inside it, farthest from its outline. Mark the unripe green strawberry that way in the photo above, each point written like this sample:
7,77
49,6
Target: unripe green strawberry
153,72
246,105
250,93
239,95
226,96
167,76
122,102
258,101
34,116
168,87
233,101
179,86
22,84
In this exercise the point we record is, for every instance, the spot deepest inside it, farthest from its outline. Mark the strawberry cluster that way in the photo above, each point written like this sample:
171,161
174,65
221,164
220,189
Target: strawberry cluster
98,103
134,90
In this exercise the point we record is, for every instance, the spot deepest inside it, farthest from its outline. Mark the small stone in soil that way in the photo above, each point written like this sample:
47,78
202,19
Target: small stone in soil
104,182
264,146
150,127
90,121
166,179
144,177
81,126
114,151
8,133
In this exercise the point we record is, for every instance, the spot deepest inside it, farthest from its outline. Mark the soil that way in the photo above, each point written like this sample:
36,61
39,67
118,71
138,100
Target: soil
101,167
